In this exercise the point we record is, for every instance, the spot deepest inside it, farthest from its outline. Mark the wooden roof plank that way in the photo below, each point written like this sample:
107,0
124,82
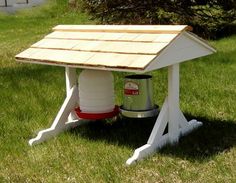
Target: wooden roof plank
165,38
128,37
84,58
102,46
55,44
84,35
111,36
123,28
75,35
105,59
119,60
65,56
100,36
26,53
141,62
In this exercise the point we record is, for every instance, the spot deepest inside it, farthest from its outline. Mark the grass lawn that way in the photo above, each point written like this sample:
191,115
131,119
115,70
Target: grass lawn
30,96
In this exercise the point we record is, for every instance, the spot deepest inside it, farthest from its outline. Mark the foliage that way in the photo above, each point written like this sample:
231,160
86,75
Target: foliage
210,18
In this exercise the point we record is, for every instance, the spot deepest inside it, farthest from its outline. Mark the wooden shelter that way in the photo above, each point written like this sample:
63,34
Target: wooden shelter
128,48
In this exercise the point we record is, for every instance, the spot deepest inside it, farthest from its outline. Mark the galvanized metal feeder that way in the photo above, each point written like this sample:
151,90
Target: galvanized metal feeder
138,97
100,49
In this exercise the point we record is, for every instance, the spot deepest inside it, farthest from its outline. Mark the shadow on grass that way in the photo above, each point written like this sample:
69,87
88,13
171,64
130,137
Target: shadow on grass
213,137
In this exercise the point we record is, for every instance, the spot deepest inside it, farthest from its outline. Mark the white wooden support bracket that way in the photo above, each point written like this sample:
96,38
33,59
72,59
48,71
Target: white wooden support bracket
71,80
66,117
170,114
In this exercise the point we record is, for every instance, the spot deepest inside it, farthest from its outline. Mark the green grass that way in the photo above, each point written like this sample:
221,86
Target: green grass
32,94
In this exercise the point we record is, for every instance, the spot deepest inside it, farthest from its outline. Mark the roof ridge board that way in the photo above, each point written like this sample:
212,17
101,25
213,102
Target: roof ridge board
124,28
126,31
98,27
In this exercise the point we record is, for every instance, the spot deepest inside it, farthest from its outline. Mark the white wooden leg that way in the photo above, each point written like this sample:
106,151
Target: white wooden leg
156,139
173,102
170,114
71,80
60,123
65,119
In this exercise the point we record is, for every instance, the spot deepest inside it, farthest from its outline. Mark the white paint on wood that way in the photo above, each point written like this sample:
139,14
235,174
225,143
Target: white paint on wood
60,123
173,102
199,40
160,124
170,113
71,80
181,49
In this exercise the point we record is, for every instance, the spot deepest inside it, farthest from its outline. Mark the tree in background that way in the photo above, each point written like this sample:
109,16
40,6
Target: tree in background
209,18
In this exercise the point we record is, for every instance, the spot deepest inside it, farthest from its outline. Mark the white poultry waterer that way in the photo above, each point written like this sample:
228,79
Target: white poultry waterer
96,95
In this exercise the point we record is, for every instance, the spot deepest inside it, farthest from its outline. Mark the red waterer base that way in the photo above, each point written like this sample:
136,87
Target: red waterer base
97,116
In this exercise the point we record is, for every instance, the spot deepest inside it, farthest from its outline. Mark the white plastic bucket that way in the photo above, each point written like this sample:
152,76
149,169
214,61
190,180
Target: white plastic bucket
96,91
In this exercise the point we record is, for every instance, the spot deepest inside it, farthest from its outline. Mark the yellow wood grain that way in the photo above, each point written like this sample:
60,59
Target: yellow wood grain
120,60
123,28
65,56
55,43
101,36
57,57
101,46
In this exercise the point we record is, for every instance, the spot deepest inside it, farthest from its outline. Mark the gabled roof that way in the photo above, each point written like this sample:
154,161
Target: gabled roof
135,48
